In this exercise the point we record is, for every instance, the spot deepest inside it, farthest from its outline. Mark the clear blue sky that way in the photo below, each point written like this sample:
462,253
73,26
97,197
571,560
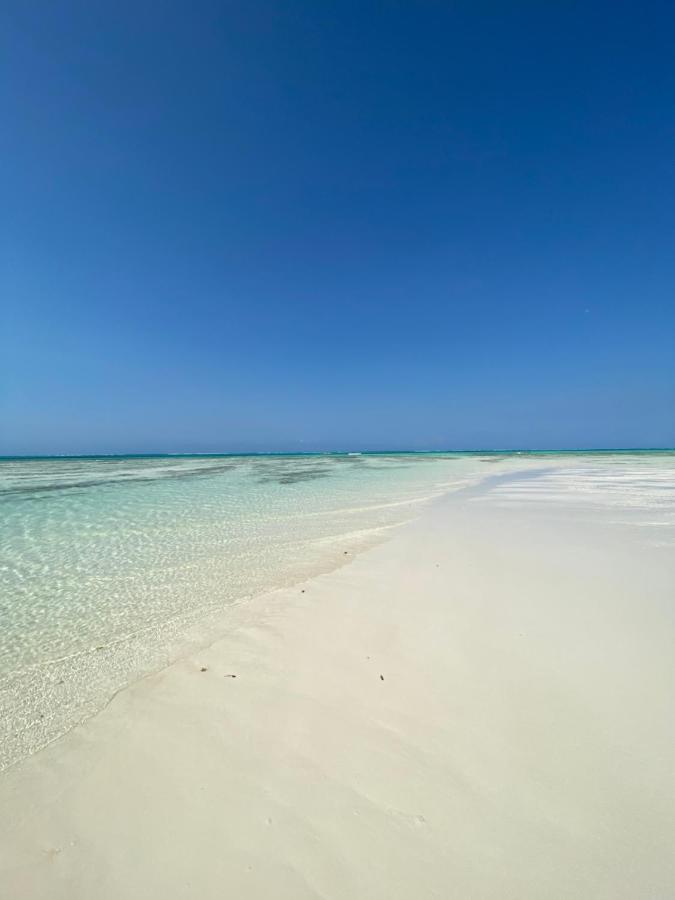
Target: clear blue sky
299,225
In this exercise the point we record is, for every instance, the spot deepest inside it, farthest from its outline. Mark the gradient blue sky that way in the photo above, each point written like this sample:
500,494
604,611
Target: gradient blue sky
304,225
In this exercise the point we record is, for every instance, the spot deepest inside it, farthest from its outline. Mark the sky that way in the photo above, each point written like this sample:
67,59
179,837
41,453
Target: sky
288,226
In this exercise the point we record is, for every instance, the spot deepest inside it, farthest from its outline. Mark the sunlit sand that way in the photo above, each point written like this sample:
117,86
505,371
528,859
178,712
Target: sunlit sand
482,706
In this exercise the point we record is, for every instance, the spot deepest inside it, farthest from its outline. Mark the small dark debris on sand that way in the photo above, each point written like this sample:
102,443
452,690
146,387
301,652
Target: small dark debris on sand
381,677
204,669
229,676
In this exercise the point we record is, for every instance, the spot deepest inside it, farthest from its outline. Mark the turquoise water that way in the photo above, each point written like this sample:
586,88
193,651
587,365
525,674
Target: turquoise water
112,567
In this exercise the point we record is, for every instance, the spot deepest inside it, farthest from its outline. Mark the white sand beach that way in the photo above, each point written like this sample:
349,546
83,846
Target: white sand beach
481,707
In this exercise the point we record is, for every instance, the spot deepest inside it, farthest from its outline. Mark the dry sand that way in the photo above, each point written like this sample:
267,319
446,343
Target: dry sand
482,707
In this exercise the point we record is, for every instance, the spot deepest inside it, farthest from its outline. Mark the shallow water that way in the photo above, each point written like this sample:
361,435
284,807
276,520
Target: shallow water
109,565
634,490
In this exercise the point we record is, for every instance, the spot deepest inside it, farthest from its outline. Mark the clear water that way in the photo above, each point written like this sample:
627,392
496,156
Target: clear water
111,567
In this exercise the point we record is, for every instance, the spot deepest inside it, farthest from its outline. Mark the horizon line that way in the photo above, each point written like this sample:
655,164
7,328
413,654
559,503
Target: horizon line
343,452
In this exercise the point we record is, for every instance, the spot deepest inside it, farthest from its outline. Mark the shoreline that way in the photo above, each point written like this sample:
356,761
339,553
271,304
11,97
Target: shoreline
143,574
481,705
